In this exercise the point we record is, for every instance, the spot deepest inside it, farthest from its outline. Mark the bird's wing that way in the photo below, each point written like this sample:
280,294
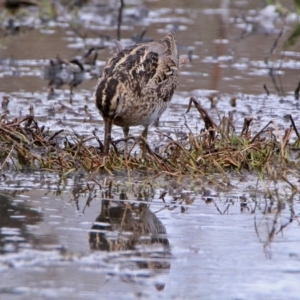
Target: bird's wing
148,69
147,65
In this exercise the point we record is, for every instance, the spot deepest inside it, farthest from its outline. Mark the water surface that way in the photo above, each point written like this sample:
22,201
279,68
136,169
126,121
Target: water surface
223,241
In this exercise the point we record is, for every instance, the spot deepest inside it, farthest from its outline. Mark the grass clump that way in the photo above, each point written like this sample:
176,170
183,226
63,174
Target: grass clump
216,148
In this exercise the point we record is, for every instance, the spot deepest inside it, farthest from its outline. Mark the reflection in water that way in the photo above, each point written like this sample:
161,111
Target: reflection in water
275,218
13,222
122,226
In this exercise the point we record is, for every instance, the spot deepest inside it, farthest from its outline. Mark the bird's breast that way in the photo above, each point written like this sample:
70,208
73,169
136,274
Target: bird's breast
143,112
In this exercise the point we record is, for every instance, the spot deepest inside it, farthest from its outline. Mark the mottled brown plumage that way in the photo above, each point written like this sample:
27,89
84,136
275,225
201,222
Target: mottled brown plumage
137,84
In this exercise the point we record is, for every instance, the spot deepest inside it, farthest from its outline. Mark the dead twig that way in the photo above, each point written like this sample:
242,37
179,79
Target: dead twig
208,121
120,19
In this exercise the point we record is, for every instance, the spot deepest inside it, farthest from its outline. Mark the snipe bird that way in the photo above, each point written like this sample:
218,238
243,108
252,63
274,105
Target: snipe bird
137,84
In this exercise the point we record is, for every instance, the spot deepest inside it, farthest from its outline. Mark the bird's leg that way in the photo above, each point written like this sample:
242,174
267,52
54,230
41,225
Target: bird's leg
71,95
142,144
145,132
126,132
107,135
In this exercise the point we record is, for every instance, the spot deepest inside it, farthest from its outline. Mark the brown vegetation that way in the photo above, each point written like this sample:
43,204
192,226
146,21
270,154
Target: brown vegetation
217,148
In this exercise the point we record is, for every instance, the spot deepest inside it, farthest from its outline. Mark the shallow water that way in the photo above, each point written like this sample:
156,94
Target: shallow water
220,236
46,252
223,65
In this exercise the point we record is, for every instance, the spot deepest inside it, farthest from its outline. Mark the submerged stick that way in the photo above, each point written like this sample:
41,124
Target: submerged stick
266,89
55,134
293,124
272,71
297,91
245,130
258,134
120,19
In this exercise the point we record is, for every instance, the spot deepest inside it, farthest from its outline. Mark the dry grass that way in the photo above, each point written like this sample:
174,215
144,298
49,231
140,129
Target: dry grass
217,148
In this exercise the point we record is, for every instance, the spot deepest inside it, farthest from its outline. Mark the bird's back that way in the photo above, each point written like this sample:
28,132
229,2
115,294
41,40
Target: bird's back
137,84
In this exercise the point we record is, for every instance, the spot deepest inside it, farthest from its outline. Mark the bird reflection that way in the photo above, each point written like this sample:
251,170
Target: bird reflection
122,226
